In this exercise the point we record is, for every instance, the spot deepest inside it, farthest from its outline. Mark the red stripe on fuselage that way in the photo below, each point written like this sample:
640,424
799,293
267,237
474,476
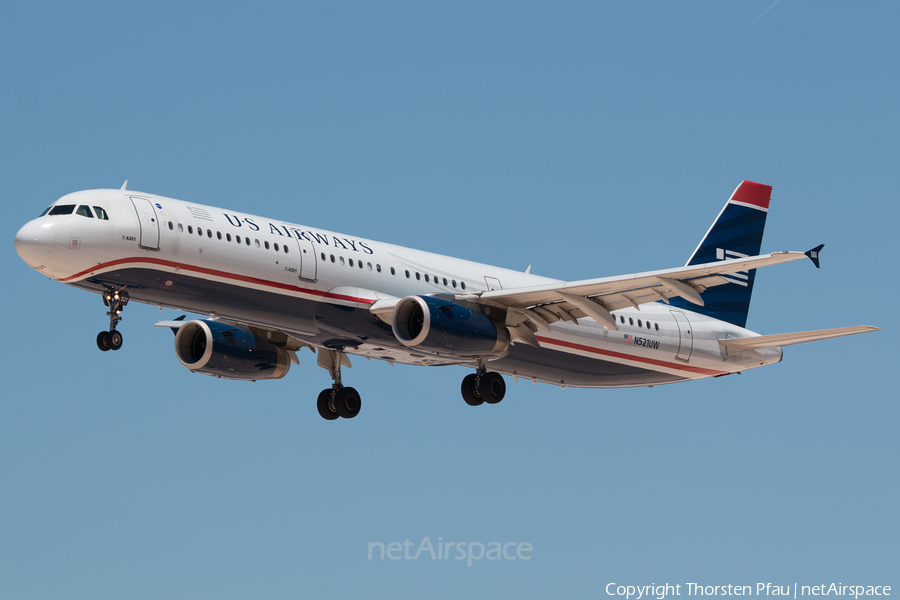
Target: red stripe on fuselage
650,361
216,273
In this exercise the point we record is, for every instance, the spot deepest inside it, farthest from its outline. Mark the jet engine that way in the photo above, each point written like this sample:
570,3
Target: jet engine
445,327
228,352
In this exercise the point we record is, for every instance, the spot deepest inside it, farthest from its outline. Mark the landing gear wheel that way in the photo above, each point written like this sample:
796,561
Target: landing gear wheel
103,341
324,406
470,390
116,301
492,387
347,402
115,340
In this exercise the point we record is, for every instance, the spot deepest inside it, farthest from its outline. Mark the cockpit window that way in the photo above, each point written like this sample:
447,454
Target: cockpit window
85,211
101,214
46,210
62,209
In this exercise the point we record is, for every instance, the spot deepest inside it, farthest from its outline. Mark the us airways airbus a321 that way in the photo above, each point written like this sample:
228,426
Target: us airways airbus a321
270,288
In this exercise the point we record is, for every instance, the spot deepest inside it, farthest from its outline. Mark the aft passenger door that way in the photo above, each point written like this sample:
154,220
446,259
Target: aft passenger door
149,223
685,337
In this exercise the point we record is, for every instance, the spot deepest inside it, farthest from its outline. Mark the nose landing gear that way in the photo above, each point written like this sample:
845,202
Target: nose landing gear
116,301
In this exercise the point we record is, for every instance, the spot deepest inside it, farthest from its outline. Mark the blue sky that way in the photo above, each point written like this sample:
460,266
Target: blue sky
586,139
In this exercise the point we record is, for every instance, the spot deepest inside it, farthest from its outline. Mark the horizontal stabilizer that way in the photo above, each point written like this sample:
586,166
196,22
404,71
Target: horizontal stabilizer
789,339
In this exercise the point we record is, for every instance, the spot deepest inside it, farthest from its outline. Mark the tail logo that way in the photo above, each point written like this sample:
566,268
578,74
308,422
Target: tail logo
739,277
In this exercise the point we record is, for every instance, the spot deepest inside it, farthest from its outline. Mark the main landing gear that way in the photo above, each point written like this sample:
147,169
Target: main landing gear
483,386
116,301
337,401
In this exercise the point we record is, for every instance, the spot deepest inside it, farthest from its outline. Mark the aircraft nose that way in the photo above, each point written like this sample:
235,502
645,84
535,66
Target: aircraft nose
34,242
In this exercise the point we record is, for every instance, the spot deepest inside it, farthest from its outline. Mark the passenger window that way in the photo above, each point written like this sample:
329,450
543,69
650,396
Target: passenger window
445,281
351,262
171,226
323,256
648,324
453,282
622,319
101,214
180,228
237,239
247,241
378,268
285,248
657,326
219,235
426,277
62,209
418,276
342,260
630,321
407,274
276,246
209,233
257,243
228,236
640,324
462,284
369,266
393,272
332,258
85,211
190,229
359,262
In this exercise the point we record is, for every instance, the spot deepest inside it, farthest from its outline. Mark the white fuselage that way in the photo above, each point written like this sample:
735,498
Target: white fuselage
318,286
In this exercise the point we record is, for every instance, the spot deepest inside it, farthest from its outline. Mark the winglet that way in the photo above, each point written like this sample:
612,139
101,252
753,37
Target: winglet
814,254
124,185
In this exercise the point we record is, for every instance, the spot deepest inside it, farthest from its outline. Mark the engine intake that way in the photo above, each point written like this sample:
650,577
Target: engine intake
228,352
445,327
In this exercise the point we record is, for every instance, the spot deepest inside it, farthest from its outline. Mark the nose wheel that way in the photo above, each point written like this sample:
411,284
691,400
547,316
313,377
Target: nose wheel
109,340
116,301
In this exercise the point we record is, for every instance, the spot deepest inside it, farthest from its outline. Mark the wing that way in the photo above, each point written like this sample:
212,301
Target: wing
789,339
538,306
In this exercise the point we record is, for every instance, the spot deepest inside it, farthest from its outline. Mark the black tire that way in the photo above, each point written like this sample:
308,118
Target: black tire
347,402
103,341
470,390
115,340
492,387
324,405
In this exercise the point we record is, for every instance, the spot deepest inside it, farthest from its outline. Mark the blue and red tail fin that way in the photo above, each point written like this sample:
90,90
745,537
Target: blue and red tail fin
737,232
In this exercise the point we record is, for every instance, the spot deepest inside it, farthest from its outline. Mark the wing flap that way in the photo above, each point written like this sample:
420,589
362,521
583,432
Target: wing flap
789,339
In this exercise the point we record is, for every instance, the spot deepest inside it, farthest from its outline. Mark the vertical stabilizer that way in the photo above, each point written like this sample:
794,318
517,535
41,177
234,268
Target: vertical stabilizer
737,232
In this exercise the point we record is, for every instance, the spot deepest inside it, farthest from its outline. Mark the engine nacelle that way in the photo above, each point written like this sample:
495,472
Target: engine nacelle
438,325
225,351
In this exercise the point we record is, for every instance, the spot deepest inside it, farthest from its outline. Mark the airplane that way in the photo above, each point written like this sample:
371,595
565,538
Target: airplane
270,288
